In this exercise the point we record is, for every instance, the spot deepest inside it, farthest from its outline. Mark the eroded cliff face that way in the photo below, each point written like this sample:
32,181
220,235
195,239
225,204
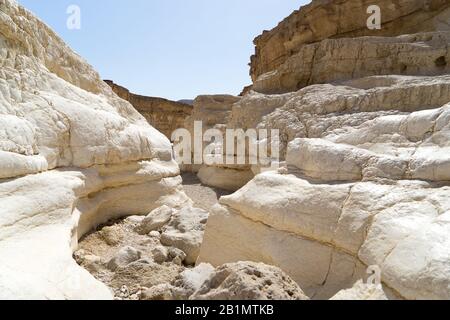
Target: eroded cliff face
365,180
214,112
365,131
317,35
164,115
72,155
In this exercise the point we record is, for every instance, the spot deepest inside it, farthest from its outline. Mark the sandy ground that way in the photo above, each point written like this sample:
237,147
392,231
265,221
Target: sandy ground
98,247
203,196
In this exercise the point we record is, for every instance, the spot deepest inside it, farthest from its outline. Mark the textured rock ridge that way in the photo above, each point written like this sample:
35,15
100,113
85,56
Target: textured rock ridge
364,126
165,115
343,59
234,281
72,155
329,19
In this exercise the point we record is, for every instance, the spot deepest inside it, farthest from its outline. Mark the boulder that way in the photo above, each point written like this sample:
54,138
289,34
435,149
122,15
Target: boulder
73,156
248,281
185,232
160,254
191,280
362,291
124,257
224,178
155,220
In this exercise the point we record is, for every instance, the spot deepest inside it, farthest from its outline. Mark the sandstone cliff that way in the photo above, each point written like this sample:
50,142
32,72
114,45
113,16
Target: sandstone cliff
162,114
316,37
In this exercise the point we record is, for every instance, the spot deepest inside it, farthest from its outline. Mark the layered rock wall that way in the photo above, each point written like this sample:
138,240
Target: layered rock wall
72,155
364,127
214,112
165,115
297,43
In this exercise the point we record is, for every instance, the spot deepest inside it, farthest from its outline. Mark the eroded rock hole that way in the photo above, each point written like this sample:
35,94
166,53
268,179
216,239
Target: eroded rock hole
440,62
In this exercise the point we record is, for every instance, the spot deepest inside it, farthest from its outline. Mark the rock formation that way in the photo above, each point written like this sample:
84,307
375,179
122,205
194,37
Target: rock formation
234,281
321,62
361,291
140,252
330,19
72,155
364,118
164,115
214,112
363,183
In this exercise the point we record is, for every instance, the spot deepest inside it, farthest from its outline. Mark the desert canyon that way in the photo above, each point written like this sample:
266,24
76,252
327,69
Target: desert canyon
93,204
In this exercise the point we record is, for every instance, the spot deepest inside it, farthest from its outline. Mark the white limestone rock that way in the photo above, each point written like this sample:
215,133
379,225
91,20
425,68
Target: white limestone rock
248,281
160,254
191,280
320,233
73,155
124,257
185,232
361,291
224,178
155,220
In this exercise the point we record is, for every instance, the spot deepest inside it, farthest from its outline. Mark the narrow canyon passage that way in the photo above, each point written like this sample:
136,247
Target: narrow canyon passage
204,197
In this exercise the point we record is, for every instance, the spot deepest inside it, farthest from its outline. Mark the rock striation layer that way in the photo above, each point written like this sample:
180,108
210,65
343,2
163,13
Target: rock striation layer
214,112
364,120
164,115
72,155
330,19
334,60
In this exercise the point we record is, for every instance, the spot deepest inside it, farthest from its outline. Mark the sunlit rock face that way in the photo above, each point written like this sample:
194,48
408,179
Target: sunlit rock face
364,120
343,59
72,155
329,19
366,139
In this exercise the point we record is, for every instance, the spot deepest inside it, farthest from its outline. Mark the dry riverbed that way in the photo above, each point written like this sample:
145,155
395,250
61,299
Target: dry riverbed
130,262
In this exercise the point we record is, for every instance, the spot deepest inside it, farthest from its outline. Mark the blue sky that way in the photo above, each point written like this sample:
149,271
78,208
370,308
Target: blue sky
175,49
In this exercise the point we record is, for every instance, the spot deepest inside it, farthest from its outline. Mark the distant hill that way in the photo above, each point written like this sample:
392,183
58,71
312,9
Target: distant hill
187,101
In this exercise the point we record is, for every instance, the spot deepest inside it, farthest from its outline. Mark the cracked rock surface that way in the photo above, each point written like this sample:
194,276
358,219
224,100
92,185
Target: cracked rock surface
234,281
73,155
364,120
